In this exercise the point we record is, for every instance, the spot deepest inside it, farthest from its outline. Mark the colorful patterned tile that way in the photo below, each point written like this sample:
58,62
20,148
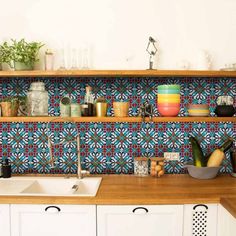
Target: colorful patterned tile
111,147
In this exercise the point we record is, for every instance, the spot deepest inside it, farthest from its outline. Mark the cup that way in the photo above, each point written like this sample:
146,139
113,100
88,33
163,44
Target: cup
121,109
65,106
101,109
233,160
75,110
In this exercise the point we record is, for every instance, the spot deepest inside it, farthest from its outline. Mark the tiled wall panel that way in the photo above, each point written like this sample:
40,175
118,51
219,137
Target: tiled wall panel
111,147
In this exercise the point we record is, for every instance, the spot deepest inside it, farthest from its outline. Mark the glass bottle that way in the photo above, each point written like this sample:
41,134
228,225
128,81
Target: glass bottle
89,101
49,60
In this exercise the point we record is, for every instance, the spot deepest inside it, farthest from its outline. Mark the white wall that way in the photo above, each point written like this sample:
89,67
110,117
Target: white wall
117,31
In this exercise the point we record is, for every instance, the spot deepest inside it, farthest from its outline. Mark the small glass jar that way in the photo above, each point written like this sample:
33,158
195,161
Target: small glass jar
49,60
141,166
37,100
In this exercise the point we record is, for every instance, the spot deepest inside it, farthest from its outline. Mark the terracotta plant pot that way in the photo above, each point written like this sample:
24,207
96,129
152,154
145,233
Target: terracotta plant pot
9,108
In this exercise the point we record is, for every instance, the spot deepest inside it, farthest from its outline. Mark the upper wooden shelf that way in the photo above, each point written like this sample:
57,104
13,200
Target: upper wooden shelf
117,119
118,73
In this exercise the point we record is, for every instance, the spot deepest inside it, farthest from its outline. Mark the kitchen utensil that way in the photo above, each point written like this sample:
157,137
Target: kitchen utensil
202,172
121,109
225,110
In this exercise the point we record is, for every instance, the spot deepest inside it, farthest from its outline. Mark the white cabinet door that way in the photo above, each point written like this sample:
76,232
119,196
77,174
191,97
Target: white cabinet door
4,220
164,220
58,220
226,223
200,219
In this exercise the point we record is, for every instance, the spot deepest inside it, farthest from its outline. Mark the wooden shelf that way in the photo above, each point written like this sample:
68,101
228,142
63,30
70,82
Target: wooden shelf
118,73
118,119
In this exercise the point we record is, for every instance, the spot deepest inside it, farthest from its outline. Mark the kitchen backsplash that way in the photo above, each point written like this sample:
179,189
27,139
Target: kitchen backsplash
111,147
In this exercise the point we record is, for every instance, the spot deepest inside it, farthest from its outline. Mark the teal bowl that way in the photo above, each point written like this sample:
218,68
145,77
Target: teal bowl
169,91
168,87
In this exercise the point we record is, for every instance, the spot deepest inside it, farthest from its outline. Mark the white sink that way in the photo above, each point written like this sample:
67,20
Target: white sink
14,186
52,186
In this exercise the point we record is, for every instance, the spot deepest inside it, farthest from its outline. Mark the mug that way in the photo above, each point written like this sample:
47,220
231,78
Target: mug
121,109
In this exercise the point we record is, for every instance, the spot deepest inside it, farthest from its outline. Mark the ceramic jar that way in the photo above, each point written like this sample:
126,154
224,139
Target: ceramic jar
37,100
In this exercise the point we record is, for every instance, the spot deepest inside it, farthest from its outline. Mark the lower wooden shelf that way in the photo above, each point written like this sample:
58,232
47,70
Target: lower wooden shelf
117,119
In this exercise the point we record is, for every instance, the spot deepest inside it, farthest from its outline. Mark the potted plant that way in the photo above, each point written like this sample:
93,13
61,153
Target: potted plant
9,106
5,54
23,54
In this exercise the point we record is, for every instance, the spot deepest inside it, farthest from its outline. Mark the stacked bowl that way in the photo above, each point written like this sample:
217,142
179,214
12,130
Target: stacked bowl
168,99
198,110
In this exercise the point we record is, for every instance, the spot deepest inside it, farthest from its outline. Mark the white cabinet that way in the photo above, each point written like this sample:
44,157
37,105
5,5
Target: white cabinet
164,220
4,220
200,219
59,220
226,223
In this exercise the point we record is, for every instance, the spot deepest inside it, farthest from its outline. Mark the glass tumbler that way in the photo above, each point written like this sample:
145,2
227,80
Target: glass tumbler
141,166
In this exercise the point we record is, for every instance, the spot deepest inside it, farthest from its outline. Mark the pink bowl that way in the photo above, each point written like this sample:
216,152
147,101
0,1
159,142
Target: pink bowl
168,110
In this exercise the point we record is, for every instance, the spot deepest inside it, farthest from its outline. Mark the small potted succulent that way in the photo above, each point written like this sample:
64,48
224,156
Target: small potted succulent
21,53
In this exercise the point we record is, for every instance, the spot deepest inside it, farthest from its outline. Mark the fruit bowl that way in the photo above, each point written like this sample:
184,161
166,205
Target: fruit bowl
202,172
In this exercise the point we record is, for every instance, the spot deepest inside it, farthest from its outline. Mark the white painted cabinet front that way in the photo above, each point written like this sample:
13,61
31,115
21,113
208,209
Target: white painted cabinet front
226,223
4,219
200,219
59,220
164,220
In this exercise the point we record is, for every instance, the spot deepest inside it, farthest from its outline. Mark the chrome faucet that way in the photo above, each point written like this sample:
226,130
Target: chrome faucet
80,172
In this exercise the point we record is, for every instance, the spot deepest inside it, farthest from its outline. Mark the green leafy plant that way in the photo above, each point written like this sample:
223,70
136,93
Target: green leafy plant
20,51
5,53
25,52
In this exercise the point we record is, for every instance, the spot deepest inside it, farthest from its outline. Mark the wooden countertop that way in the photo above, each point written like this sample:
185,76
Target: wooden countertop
230,205
129,189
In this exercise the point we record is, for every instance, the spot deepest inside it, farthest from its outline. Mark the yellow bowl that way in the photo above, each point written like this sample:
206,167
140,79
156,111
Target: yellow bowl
168,100
199,111
168,96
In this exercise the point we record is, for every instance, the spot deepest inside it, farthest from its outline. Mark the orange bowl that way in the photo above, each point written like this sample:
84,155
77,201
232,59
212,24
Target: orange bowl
169,110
